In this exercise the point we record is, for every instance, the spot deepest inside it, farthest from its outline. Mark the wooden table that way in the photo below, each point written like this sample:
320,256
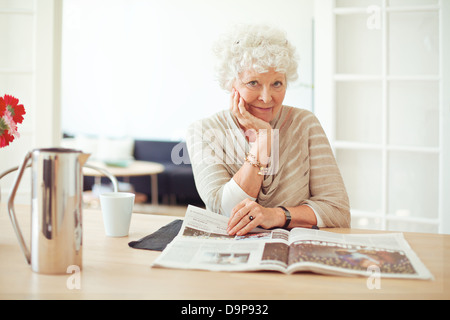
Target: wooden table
113,270
135,168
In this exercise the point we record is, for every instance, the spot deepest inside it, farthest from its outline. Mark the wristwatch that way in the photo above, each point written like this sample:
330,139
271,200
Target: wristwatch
288,216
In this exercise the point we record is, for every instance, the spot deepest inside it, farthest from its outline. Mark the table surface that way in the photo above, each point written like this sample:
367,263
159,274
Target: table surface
113,270
135,168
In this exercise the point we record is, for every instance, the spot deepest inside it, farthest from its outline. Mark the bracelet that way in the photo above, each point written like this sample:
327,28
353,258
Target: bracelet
251,159
263,171
287,214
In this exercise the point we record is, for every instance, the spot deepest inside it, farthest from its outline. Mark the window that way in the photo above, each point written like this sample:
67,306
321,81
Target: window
144,69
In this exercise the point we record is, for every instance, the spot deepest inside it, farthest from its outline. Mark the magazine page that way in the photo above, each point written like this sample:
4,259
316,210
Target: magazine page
357,254
203,243
214,255
202,223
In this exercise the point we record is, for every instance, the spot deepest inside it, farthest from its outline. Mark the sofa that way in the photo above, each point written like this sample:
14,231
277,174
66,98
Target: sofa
175,185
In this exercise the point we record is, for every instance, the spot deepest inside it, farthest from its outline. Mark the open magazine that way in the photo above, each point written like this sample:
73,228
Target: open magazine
203,243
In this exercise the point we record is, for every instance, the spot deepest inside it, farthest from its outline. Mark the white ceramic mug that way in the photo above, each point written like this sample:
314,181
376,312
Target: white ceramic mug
117,208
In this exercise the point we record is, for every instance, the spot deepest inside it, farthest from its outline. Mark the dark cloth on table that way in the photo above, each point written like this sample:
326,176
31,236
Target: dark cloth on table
160,239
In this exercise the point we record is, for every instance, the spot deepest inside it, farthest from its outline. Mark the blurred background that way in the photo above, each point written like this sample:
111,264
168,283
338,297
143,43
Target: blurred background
375,72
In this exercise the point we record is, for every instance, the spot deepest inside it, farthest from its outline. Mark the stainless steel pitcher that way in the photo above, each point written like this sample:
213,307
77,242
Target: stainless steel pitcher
56,208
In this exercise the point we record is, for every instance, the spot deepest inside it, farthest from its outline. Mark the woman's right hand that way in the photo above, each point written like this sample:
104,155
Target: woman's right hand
251,124
255,129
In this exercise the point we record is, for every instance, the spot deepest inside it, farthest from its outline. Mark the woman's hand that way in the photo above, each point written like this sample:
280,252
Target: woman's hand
256,130
245,118
248,215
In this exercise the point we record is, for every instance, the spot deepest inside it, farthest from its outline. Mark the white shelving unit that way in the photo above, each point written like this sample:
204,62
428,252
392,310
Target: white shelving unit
385,114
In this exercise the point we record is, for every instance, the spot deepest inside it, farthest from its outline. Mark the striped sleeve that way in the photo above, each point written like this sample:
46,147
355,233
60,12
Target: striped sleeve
210,173
328,194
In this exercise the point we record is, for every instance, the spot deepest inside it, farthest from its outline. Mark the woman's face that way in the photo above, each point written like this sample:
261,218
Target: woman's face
263,92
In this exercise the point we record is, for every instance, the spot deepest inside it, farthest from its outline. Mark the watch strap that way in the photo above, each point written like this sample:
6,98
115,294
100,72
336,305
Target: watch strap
287,215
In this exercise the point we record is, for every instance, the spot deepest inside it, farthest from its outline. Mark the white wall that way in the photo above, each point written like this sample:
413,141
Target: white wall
30,71
144,69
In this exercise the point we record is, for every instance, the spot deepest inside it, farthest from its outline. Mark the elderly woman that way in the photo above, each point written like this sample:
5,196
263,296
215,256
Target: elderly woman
260,162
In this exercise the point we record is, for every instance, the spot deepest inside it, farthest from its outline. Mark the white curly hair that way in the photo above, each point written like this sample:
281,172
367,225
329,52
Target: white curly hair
257,47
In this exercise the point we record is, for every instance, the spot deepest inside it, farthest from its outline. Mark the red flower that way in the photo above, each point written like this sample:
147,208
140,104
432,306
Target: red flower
2,107
11,113
17,110
5,139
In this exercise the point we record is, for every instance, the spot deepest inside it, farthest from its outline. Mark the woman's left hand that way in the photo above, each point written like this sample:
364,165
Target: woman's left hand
248,215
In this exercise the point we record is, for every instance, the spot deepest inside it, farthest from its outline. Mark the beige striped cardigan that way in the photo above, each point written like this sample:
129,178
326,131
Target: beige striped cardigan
304,170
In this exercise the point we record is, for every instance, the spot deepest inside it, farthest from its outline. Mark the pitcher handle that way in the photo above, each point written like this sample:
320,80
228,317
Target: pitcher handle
12,212
106,173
